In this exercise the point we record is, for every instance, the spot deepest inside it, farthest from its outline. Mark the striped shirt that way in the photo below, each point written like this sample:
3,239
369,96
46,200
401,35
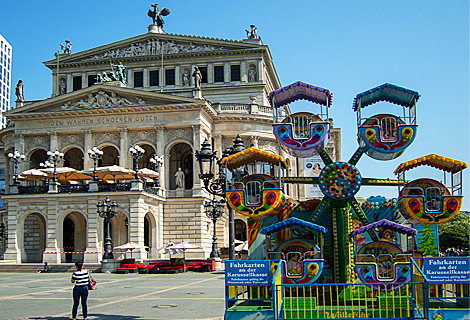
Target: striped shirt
81,278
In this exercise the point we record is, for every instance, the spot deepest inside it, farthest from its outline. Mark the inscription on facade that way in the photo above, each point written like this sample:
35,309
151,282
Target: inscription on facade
103,120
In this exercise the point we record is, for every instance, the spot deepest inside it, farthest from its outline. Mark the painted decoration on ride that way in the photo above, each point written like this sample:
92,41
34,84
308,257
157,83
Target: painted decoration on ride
312,168
305,272
302,134
340,180
427,201
247,273
448,314
257,196
385,136
447,269
383,262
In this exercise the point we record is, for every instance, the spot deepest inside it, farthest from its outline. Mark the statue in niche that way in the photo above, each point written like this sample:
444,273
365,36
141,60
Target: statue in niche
252,74
179,179
197,77
62,86
253,33
186,81
19,91
67,48
157,15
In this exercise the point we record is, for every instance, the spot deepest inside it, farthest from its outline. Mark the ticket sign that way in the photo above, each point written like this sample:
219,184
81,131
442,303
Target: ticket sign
447,269
247,273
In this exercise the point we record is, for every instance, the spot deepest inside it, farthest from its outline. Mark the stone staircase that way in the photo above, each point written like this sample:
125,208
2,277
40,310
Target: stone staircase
34,267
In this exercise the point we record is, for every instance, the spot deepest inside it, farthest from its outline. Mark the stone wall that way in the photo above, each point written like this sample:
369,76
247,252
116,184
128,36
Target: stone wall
32,240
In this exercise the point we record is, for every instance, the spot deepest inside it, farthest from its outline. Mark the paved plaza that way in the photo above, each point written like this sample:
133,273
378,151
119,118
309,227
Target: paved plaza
121,297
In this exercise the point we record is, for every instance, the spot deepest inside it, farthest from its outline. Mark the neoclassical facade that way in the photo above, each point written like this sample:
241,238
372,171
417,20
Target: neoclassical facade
161,110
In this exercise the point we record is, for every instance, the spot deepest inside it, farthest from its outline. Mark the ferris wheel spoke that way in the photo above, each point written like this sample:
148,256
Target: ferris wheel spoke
325,157
362,217
317,213
356,156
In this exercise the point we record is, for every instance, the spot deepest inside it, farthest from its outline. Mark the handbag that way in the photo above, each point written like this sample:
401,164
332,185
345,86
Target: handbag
91,282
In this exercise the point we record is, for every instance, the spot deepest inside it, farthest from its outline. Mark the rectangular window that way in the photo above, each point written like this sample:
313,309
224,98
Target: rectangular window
218,73
204,74
77,83
91,80
235,72
154,78
138,79
170,77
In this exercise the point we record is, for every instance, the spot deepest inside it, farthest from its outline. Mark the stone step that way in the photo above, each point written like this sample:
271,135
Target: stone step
34,267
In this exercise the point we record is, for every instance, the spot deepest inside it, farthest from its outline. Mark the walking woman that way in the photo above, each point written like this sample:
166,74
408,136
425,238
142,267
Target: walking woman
80,291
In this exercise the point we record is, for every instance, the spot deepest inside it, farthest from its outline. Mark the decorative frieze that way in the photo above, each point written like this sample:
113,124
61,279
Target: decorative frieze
138,136
33,208
268,145
36,141
154,48
175,134
102,100
71,139
112,137
73,206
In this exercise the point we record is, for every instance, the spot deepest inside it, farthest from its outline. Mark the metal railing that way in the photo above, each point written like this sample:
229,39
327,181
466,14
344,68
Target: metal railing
32,189
73,188
114,187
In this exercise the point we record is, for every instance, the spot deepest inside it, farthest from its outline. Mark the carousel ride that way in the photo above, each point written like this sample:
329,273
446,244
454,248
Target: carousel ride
257,179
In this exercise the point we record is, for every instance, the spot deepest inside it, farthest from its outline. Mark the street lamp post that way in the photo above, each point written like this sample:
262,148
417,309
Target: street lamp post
16,157
95,154
214,210
107,210
156,162
54,158
216,186
136,152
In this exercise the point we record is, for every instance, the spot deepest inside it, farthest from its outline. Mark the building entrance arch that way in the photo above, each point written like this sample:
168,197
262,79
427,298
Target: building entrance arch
73,237
34,238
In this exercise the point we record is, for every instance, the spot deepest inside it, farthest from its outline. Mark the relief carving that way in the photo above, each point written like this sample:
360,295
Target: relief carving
107,137
102,100
153,48
68,139
137,136
174,134
36,141
268,145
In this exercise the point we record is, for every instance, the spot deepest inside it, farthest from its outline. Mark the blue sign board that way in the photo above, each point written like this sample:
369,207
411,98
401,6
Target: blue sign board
447,269
247,273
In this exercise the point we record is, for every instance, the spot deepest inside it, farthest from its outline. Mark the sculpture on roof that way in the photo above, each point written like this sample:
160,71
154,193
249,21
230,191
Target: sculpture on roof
19,91
253,33
67,48
157,15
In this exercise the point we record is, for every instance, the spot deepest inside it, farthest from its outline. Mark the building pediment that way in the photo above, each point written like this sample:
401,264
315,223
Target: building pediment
103,98
150,46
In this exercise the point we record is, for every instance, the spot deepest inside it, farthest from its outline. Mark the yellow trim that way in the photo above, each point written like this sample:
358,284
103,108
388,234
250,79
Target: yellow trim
433,160
251,155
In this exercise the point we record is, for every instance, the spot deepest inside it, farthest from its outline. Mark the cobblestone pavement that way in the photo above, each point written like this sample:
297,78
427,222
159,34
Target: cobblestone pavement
118,297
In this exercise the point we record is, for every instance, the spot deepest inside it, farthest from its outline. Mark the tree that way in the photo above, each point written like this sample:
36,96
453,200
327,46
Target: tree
456,232
427,242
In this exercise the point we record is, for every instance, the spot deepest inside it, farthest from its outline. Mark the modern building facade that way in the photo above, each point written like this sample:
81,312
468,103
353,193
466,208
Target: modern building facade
5,77
156,105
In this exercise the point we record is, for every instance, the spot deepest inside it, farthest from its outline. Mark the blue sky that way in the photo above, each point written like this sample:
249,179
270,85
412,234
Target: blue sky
345,46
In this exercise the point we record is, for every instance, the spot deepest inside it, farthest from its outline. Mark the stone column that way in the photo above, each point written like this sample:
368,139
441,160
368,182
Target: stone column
54,84
210,73
20,146
218,145
124,153
226,72
52,233
13,251
130,79
196,146
177,76
94,233
137,212
54,143
69,83
146,77
243,75
160,151
84,80
88,137
260,71
166,176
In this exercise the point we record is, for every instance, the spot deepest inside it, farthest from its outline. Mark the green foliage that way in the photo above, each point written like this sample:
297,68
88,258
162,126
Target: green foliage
455,233
224,251
427,242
